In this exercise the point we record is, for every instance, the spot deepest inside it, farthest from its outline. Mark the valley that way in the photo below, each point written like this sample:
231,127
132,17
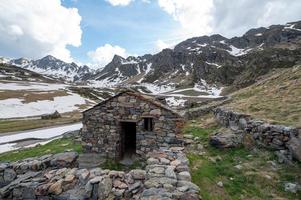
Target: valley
254,79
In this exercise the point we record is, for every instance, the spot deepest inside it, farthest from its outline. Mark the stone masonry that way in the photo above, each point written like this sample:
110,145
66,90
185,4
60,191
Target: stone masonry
286,141
102,125
50,177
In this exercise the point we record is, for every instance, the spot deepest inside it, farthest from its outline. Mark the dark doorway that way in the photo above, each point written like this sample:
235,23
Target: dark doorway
128,139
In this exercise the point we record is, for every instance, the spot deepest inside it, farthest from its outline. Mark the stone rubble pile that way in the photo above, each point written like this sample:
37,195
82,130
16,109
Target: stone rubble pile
166,176
286,141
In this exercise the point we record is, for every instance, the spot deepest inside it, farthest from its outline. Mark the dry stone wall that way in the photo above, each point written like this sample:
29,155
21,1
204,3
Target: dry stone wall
285,140
166,176
101,126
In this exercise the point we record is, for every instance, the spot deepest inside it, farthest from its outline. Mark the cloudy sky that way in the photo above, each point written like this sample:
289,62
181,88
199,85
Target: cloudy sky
92,31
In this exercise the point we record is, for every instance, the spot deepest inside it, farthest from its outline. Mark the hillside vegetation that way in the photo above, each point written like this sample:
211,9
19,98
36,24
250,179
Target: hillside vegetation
237,173
275,97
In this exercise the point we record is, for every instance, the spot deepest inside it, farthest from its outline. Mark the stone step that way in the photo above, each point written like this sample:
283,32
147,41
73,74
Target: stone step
90,160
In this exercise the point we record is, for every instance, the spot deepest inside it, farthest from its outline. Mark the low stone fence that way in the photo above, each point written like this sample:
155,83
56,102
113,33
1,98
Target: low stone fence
285,140
166,176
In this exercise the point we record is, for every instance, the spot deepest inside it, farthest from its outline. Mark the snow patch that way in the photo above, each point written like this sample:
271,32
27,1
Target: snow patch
214,64
31,86
291,26
175,102
13,107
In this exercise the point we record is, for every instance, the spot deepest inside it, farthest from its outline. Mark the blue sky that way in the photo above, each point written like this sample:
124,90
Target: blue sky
135,27
93,31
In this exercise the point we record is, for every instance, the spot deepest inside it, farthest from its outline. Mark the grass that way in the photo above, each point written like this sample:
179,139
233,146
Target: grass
55,146
257,178
275,98
191,93
27,124
32,96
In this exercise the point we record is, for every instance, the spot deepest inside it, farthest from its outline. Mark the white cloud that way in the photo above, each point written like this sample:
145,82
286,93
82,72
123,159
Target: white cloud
194,16
36,28
119,2
228,17
160,45
104,54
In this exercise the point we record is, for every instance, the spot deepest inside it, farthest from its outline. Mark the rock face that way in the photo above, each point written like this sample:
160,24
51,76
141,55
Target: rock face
285,140
102,132
214,59
163,180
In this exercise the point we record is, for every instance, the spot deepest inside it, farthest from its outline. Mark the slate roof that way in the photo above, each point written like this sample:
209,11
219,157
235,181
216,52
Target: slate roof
140,96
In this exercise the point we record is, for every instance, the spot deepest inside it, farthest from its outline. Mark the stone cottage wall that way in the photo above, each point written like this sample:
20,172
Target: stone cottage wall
281,138
101,126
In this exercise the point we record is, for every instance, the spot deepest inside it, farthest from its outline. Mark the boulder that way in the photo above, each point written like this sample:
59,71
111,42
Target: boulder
294,145
66,159
8,176
227,139
104,187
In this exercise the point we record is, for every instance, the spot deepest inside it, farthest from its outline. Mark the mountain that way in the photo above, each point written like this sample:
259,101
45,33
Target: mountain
53,67
12,73
209,60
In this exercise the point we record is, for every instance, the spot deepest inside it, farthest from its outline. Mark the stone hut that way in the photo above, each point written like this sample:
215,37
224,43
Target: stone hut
130,123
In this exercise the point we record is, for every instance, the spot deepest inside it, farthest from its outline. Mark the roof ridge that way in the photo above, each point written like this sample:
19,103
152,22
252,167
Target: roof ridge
140,95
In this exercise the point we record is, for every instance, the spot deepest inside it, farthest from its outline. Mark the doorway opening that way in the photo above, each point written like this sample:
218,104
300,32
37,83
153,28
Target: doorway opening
128,139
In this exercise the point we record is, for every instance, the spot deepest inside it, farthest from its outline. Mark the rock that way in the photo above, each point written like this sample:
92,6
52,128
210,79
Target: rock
67,159
182,168
96,179
135,186
157,170
291,187
83,175
54,115
164,161
151,183
188,136
226,139
42,190
104,187
138,174
238,166
170,172
190,185
283,156
189,196
69,178
56,188
183,188
96,172
184,176
24,191
175,163
116,174
294,145
152,161
220,184
119,184
9,175
118,192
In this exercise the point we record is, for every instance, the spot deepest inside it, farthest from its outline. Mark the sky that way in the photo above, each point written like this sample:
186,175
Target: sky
93,31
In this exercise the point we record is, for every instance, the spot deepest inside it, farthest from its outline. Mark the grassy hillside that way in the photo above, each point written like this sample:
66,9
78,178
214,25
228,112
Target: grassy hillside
244,173
275,97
